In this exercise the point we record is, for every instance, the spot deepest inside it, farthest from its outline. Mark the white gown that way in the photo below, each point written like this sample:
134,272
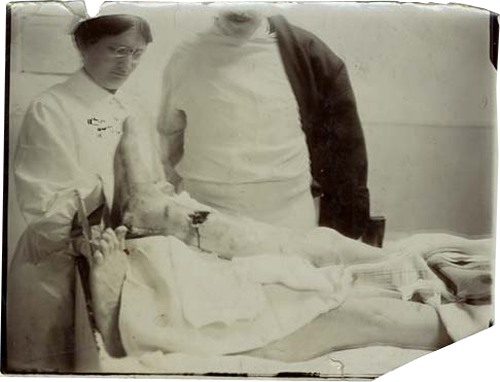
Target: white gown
232,129
67,143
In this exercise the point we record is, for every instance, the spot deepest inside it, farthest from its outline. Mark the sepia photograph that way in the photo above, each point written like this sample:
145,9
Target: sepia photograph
246,189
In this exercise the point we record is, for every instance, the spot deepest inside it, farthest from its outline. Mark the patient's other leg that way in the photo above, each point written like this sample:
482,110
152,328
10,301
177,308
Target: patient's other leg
108,269
322,245
358,323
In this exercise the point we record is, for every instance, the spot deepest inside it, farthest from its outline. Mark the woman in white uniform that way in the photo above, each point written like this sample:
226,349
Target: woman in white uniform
67,143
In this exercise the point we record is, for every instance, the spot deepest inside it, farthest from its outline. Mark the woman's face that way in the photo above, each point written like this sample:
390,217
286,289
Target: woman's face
112,59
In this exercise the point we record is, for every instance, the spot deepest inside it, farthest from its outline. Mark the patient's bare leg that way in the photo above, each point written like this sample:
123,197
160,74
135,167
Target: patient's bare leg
358,323
108,269
323,244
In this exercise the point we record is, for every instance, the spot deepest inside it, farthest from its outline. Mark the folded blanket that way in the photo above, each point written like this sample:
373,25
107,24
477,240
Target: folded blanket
457,269
469,277
465,267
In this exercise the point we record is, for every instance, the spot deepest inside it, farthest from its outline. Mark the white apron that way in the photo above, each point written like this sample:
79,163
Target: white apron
244,150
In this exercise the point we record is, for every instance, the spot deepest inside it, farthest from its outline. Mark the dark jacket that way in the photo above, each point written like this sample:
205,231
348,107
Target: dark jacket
331,123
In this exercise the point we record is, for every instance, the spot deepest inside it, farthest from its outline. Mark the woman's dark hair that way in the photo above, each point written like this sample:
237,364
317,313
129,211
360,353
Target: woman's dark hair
90,31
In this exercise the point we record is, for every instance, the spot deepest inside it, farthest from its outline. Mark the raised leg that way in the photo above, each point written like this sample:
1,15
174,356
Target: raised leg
324,246
148,210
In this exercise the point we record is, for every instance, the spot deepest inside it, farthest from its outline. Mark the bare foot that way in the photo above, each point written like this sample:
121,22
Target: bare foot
108,269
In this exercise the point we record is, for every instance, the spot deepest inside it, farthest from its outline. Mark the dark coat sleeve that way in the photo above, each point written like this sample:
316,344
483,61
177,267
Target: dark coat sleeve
338,152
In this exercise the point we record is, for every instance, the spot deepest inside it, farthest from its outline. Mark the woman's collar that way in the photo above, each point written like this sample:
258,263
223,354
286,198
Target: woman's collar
88,90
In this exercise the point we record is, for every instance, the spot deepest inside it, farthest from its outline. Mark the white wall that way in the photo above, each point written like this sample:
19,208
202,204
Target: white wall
423,81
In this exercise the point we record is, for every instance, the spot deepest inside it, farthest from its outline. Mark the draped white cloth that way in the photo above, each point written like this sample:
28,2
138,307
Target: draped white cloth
176,299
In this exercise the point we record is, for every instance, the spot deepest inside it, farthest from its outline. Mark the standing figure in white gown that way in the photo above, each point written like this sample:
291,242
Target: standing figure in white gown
252,110
67,142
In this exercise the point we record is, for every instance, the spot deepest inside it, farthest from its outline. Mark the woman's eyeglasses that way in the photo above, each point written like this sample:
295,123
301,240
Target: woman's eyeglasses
124,52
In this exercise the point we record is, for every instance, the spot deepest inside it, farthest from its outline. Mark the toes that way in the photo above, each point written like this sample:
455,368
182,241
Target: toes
104,248
110,237
120,235
110,241
98,257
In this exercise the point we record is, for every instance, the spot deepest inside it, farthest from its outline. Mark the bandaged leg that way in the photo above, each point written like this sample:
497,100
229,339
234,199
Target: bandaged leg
358,323
236,236
108,267
151,208
147,209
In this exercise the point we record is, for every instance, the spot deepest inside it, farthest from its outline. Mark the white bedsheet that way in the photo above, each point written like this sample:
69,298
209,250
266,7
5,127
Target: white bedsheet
175,299
147,323
366,362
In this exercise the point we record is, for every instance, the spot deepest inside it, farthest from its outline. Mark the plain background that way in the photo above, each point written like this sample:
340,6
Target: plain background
473,357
